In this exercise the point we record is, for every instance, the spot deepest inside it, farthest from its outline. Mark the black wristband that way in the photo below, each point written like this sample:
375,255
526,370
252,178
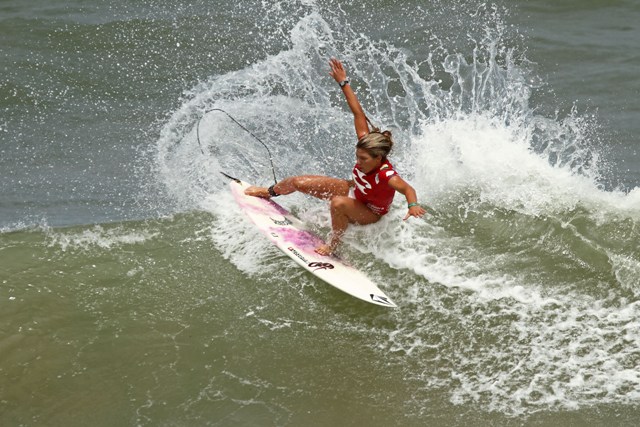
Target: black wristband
272,192
344,83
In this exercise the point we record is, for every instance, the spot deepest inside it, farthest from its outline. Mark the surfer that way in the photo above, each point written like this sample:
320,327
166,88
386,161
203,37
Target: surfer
367,196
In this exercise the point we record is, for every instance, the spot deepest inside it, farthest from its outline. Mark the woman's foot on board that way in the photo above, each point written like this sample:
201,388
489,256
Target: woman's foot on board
325,250
257,192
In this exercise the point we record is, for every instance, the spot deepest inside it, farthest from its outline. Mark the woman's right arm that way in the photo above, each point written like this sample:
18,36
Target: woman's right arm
359,118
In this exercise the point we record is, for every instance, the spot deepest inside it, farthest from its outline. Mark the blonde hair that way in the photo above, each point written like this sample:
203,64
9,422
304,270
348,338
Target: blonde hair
376,143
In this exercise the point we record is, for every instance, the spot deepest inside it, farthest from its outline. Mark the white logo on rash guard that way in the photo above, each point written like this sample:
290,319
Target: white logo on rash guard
361,183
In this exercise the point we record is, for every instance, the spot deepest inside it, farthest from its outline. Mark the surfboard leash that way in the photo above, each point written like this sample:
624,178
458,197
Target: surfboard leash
231,178
273,169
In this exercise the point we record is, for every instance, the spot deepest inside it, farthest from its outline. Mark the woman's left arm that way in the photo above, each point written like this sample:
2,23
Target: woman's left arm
402,186
339,73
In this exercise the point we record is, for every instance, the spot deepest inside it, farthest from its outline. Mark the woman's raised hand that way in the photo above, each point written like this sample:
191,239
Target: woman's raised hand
337,70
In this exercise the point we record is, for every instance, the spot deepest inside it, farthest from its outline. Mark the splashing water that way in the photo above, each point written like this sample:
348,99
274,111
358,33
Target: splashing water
520,292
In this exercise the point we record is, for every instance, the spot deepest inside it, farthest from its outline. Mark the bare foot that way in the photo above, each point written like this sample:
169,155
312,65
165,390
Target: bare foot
257,192
324,250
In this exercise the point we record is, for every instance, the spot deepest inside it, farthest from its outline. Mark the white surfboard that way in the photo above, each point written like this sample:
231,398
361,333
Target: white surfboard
290,235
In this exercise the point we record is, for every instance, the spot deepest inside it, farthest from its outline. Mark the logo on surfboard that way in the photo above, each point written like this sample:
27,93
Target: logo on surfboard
321,266
315,265
284,221
298,254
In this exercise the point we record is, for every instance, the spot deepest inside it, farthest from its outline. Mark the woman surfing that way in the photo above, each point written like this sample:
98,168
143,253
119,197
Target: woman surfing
367,196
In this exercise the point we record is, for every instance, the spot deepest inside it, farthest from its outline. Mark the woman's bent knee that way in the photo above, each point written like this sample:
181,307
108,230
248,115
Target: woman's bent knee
340,203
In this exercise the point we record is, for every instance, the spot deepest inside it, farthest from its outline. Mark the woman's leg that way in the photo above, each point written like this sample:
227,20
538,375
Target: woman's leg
345,210
322,187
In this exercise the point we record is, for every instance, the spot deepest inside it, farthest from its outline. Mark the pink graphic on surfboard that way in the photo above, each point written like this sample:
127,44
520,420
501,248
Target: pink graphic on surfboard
291,237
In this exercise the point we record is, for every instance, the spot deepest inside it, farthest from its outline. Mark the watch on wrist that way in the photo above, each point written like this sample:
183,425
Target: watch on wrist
344,83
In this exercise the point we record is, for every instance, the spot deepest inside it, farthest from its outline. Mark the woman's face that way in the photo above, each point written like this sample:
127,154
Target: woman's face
365,162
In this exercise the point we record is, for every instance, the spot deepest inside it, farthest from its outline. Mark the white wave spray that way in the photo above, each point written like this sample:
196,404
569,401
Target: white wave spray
545,308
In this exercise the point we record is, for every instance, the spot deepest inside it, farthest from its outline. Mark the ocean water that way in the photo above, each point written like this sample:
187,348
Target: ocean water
134,292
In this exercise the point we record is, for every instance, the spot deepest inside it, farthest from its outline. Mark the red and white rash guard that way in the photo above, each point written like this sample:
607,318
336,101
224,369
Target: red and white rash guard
373,188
